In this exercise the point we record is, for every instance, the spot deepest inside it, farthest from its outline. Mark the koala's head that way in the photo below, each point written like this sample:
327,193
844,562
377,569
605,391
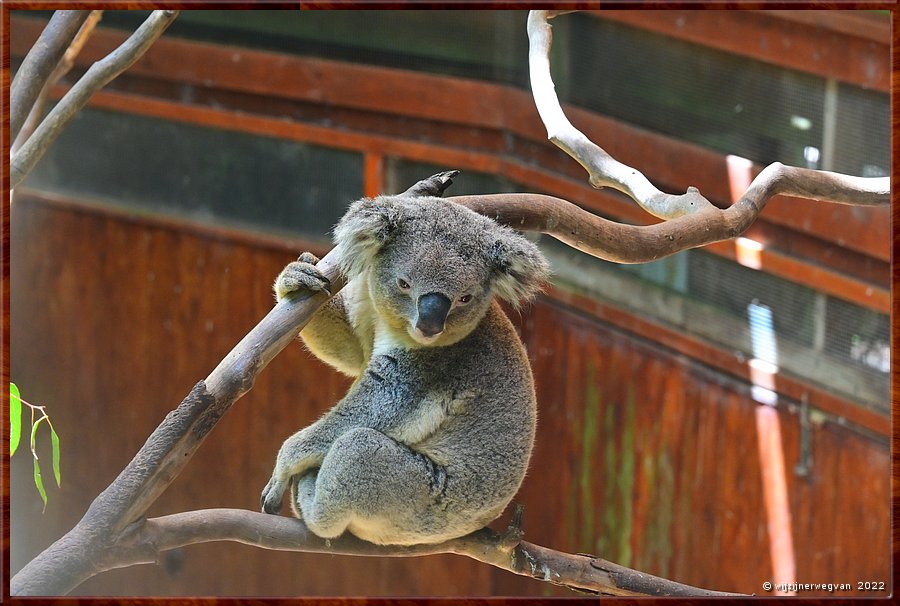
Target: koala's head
434,266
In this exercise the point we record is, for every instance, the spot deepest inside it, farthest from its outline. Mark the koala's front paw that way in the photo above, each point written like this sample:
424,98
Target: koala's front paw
272,494
301,274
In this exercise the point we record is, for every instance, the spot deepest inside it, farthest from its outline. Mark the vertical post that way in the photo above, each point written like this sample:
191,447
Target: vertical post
373,175
829,124
820,324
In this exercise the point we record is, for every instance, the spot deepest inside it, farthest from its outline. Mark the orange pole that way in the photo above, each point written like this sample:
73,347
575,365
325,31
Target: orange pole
774,484
373,175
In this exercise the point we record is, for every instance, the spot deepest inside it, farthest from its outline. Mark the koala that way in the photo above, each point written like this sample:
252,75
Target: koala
433,438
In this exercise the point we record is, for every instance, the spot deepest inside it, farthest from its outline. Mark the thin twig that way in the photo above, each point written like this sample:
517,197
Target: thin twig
93,80
39,63
62,68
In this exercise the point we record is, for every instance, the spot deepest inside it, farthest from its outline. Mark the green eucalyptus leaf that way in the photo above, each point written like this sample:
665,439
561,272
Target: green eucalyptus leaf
15,418
34,433
54,441
40,483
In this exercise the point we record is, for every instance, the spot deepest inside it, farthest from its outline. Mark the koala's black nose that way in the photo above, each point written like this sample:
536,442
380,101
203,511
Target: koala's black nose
433,309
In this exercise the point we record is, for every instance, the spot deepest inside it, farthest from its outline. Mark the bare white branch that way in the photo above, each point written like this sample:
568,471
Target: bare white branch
606,171
603,169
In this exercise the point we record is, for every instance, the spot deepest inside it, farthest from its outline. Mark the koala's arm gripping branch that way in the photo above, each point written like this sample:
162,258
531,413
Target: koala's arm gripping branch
273,333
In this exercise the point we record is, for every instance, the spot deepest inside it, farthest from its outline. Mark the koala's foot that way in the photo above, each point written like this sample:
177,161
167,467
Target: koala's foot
303,493
301,274
272,494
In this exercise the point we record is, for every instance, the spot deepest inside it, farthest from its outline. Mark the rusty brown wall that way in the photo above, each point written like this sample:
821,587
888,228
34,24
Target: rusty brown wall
643,457
652,461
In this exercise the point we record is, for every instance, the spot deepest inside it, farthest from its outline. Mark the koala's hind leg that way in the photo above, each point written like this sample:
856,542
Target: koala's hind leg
375,487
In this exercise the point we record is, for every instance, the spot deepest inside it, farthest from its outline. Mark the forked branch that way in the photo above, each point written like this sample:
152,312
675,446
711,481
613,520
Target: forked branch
93,80
39,63
62,68
622,243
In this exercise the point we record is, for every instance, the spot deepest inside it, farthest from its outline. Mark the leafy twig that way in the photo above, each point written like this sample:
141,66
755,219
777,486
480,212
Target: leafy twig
15,418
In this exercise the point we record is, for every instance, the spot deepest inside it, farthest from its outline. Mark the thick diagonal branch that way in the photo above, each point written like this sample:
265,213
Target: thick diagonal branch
605,171
93,80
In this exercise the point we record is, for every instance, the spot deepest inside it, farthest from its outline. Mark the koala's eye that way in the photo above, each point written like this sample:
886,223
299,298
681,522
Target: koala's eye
403,284
465,299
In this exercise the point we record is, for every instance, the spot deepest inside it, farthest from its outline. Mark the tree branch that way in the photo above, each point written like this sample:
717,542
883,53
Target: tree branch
39,63
93,80
605,171
435,185
622,243
96,542
62,68
147,539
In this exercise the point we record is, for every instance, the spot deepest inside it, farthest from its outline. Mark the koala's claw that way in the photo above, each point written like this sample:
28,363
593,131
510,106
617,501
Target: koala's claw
271,497
301,274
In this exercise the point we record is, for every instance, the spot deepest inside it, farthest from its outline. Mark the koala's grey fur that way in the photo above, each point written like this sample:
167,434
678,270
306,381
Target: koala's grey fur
433,438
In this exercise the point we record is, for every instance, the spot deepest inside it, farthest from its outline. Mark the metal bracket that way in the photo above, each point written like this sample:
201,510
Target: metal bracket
803,468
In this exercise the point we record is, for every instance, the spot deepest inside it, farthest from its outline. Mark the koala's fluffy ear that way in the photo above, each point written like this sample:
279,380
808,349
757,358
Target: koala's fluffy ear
363,230
520,268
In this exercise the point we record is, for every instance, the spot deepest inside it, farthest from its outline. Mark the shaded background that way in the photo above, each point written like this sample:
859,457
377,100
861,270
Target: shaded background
675,397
